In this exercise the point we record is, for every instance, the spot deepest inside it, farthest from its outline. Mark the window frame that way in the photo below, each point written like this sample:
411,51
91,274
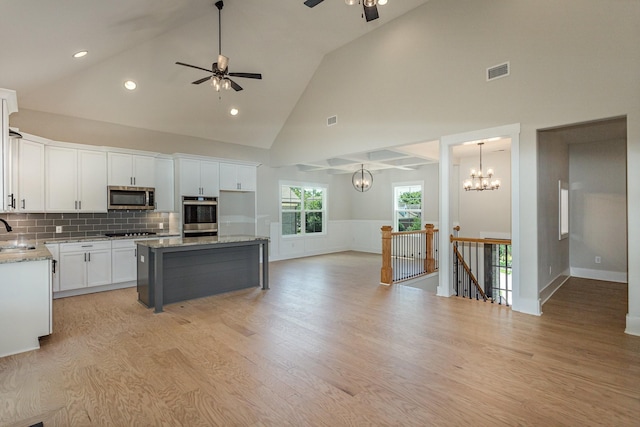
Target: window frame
394,207
303,211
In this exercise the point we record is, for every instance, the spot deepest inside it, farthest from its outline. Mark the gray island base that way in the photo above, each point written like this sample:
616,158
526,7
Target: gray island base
179,269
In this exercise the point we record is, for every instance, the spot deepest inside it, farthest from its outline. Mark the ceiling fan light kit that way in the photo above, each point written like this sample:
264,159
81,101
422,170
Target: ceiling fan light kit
220,75
370,7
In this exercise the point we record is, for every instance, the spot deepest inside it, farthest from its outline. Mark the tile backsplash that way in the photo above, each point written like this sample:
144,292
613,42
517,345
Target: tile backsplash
42,226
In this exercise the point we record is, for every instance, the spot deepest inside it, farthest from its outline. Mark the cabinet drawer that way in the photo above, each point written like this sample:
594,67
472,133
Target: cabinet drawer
85,246
126,243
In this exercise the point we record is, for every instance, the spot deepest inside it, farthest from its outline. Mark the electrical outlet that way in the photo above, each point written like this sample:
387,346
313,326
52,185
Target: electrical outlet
58,229
161,226
598,260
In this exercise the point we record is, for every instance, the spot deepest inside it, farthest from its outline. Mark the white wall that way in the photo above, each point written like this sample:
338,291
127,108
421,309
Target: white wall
486,213
598,210
571,61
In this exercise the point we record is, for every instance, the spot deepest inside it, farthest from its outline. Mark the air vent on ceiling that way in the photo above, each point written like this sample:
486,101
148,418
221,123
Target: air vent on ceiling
332,120
498,71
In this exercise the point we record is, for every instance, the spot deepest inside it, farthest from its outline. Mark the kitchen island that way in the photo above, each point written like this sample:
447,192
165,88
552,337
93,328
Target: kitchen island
179,269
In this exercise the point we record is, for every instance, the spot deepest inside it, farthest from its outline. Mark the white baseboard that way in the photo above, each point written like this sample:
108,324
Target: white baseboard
609,276
93,289
528,306
551,288
633,325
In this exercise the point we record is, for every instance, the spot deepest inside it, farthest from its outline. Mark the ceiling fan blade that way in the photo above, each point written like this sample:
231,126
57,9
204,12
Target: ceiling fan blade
371,13
193,66
223,63
235,86
312,3
197,82
247,75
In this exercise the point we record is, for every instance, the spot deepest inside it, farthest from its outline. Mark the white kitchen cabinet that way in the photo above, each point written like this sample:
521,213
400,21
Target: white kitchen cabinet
26,180
164,195
25,305
235,177
131,170
76,180
8,105
85,264
54,248
124,266
197,178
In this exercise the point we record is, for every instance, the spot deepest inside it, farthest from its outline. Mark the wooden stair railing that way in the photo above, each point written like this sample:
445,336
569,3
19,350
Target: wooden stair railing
468,270
427,249
460,258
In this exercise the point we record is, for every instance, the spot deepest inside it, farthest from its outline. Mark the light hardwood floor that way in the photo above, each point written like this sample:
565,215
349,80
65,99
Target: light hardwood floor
328,346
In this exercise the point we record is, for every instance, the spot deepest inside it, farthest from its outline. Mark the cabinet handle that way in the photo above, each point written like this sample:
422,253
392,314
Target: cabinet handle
134,180
89,256
75,205
130,180
80,204
53,266
85,257
23,203
86,246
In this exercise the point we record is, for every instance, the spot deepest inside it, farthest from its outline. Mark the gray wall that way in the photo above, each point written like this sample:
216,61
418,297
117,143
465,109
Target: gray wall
553,165
598,215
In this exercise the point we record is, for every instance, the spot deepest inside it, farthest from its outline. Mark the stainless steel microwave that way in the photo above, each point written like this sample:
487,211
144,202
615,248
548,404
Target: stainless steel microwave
131,198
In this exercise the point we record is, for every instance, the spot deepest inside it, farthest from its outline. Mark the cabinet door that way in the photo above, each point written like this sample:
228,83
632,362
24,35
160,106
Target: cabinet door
209,179
99,267
164,185
246,176
72,270
189,177
30,170
144,171
124,266
92,181
120,169
228,177
61,166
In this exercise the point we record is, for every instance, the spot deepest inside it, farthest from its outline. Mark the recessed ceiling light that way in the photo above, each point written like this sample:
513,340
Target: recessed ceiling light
130,84
80,54
234,111
382,2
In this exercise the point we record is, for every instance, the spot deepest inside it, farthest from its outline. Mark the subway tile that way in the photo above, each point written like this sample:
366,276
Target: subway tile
44,222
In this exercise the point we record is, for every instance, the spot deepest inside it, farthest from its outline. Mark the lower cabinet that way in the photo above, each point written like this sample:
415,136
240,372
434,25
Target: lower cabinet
124,266
84,264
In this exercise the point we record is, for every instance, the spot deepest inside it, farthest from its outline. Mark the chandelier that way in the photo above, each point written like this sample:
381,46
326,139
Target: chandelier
478,181
362,179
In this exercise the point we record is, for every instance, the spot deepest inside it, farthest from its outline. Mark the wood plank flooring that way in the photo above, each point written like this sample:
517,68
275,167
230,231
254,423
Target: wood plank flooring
328,346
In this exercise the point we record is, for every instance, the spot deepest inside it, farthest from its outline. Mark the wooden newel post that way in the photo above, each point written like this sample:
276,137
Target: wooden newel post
386,272
429,261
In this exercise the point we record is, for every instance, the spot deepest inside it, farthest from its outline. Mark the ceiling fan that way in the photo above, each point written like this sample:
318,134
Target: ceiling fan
220,75
370,6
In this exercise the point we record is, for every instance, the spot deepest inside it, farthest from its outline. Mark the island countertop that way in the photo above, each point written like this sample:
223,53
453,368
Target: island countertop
174,242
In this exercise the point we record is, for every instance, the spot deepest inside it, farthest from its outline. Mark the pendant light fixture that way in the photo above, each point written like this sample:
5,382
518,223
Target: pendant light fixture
362,179
478,180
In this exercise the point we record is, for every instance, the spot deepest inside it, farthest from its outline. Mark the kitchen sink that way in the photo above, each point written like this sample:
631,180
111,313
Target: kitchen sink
16,248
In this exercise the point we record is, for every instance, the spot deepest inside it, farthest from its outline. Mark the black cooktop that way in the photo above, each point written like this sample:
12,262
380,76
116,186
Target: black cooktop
130,233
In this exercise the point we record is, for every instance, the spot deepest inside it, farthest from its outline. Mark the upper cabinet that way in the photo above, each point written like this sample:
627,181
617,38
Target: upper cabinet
196,178
27,180
164,185
131,170
76,180
235,177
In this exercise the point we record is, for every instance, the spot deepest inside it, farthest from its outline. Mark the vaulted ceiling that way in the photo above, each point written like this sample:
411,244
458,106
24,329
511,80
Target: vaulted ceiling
142,39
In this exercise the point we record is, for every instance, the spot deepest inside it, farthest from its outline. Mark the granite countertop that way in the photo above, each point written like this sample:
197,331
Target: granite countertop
194,241
41,252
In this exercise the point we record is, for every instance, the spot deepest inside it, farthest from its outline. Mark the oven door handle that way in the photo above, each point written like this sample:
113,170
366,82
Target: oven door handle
200,203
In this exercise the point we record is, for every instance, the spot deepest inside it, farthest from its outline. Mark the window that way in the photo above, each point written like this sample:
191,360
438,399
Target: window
303,209
407,210
563,202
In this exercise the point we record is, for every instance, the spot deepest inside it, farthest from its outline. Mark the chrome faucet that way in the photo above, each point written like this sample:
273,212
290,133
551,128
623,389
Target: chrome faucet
6,224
